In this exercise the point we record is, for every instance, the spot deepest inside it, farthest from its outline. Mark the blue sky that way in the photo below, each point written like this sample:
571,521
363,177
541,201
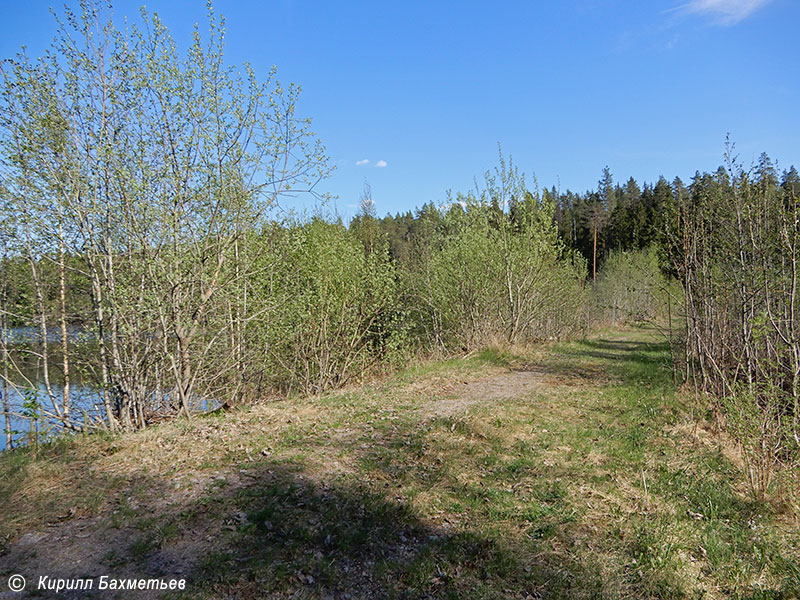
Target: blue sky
425,90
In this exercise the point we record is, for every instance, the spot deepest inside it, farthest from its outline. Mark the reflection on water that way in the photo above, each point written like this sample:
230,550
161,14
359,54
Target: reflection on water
26,389
85,402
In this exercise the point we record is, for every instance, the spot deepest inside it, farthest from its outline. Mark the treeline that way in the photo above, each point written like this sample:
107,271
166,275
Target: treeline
733,241
594,223
142,255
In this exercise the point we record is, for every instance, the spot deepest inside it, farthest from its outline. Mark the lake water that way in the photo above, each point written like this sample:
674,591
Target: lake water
83,399
26,381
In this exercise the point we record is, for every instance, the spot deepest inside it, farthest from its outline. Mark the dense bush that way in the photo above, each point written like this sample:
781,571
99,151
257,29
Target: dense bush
497,270
734,241
334,307
486,268
632,288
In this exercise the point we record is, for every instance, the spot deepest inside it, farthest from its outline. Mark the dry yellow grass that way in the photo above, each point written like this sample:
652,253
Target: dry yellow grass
571,471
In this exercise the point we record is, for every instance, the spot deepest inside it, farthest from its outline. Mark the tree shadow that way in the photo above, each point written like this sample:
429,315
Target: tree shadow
613,361
294,535
271,529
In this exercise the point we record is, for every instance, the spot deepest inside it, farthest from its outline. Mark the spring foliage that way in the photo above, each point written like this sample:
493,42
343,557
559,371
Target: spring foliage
138,186
733,238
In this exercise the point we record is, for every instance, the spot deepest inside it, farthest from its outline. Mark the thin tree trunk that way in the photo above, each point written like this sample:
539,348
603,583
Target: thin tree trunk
594,253
37,287
99,319
4,341
62,288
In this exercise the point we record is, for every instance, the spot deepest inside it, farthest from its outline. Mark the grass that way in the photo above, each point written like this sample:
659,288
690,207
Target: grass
575,472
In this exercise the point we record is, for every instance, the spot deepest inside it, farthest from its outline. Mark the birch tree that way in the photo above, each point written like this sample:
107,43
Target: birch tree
151,165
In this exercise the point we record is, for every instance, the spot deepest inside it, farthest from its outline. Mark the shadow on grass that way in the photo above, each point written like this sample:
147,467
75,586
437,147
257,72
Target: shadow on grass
296,536
273,530
601,361
269,528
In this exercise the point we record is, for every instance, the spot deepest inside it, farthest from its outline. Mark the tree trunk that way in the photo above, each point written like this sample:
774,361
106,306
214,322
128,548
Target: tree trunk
594,254
62,289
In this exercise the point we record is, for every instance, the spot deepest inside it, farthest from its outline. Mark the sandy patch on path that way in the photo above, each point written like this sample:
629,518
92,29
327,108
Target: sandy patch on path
463,396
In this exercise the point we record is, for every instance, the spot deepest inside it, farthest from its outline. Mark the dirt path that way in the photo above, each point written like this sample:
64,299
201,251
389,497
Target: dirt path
513,384
166,529
93,546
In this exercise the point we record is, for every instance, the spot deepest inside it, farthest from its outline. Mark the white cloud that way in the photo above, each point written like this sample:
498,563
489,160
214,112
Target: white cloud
381,163
725,12
363,162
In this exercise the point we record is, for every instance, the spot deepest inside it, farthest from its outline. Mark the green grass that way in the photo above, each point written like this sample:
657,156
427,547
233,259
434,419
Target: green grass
591,484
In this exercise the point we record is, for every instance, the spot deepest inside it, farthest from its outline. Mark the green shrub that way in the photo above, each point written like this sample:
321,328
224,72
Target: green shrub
334,308
631,288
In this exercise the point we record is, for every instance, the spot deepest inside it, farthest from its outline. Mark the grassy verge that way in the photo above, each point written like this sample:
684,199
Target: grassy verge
567,471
